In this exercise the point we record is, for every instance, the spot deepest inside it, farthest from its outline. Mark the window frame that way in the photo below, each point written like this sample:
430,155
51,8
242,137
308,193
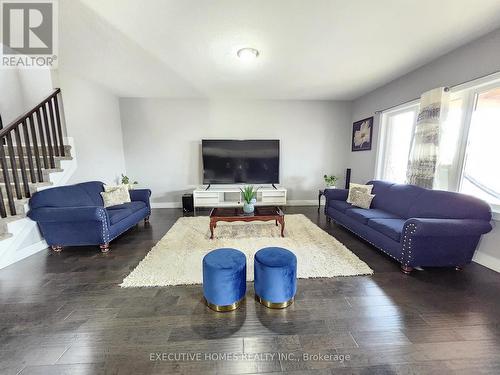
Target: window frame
471,92
382,141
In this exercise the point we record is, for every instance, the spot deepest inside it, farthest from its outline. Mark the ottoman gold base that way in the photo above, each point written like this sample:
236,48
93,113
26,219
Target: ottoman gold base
274,305
224,308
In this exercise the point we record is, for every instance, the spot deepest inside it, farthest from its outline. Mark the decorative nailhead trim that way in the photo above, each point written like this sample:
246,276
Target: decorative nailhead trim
408,231
105,232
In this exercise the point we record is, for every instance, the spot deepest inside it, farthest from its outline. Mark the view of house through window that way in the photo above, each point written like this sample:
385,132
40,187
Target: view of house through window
468,160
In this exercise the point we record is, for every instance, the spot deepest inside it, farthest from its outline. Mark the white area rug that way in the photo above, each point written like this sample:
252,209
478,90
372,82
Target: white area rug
177,257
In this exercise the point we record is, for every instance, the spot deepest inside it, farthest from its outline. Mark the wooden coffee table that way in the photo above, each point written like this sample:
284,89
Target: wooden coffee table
261,213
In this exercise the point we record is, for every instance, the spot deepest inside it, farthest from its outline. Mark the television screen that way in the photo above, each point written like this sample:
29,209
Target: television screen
245,161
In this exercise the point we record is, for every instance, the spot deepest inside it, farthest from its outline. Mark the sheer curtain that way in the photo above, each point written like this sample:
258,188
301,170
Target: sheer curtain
424,159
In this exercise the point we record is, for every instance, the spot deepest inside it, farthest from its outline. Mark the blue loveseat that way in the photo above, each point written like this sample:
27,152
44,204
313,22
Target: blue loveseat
413,225
75,215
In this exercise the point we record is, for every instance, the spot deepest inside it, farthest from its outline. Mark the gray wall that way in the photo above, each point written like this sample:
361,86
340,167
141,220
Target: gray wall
466,63
162,140
93,120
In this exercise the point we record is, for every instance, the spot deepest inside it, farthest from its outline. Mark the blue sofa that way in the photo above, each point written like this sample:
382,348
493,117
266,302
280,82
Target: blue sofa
415,226
74,215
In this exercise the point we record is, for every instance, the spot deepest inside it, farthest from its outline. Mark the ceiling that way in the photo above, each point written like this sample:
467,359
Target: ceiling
309,49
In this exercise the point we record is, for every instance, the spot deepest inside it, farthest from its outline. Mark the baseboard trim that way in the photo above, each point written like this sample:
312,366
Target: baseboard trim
166,205
299,202
303,202
487,260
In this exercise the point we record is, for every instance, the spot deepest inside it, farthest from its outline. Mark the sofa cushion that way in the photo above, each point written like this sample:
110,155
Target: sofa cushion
390,227
83,194
117,215
133,206
397,198
342,206
363,215
438,204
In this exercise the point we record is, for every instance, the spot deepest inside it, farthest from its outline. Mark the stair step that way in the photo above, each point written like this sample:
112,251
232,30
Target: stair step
45,173
4,236
9,219
33,187
67,150
57,162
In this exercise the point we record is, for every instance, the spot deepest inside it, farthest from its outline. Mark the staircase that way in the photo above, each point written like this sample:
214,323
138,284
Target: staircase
33,152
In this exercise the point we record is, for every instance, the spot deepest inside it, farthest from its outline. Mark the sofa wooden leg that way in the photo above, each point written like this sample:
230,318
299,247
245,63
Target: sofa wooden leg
406,269
56,248
328,219
146,220
459,268
104,248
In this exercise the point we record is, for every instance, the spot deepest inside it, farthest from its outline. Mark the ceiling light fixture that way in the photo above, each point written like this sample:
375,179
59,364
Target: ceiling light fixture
248,53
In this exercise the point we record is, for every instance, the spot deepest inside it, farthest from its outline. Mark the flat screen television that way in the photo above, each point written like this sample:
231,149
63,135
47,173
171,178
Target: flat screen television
240,161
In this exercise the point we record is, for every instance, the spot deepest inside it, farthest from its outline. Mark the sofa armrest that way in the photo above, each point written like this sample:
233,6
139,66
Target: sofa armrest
446,227
336,194
68,214
140,195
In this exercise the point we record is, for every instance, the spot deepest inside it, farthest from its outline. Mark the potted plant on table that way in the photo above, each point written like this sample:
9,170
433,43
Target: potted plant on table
126,181
249,198
330,181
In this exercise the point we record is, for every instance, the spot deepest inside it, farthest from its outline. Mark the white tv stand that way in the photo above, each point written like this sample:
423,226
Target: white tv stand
230,196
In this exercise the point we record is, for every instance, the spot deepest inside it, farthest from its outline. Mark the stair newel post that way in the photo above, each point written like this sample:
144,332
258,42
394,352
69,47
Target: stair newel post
48,136
42,139
13,165
22,164
29,153
36,150
59,126
53,127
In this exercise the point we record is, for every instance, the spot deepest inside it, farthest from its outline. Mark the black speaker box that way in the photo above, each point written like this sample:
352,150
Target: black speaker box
187,203
347,177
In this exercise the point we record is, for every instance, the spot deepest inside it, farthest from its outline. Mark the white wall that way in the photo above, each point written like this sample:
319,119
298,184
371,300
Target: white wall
11,100
21,90
466,63
36,85
162,140
93,120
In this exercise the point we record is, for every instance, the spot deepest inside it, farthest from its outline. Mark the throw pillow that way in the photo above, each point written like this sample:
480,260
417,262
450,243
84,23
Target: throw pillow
112,198
122,190
361,199
358,187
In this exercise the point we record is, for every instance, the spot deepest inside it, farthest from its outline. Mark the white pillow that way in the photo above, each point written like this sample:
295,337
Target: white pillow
361,199
367,189
122,192
112,198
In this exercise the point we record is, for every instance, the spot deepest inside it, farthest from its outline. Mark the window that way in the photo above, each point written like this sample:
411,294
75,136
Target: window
469,150
481,175
396,135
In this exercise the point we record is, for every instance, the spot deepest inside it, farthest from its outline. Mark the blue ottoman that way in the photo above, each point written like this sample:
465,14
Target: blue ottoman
224,279
275,272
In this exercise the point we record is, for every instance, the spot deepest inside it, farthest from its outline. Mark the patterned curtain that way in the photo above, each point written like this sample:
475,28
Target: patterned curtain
423,158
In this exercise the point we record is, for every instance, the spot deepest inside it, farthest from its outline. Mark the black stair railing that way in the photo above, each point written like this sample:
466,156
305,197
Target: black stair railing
28,145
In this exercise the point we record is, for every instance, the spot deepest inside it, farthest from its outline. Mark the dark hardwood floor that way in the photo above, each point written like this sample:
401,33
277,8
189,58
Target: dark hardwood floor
65,314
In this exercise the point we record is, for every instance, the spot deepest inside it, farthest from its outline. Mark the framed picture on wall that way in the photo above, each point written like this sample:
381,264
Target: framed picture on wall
362,131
